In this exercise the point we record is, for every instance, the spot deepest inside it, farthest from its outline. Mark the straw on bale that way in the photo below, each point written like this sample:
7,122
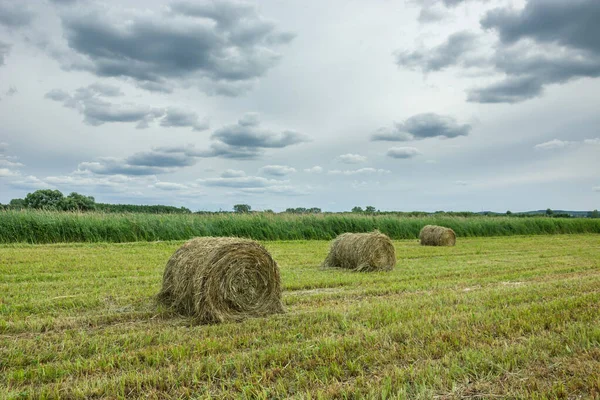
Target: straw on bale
219,279
433,235
362,252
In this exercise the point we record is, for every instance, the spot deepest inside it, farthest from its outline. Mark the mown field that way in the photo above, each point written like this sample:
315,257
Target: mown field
501,317
62,227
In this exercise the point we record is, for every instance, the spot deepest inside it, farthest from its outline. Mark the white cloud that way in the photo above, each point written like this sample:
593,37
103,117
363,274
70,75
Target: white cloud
314,170
556,144
352,158
596,189
5,173
553,145
367,170
461,183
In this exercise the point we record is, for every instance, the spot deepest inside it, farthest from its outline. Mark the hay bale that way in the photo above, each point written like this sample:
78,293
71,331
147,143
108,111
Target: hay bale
433,235
362,252
218,279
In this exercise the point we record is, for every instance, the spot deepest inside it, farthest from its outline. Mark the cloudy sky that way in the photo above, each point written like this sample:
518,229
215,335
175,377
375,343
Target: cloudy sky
400,104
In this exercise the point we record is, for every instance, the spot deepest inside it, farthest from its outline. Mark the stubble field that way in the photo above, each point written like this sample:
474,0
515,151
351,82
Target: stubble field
499,317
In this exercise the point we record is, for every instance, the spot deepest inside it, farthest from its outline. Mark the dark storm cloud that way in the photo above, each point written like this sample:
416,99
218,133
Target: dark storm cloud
423,126
449,53
15,13
247,133
91,103
223,46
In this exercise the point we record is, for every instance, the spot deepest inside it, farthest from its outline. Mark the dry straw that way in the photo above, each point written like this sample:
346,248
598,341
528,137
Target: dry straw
433,235
222,279
362,252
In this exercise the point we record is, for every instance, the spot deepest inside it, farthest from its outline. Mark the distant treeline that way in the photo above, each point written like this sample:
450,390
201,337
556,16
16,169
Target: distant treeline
31,226
54,200
132,208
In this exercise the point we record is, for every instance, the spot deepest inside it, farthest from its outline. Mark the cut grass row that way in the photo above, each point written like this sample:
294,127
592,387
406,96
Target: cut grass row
62,227
514,317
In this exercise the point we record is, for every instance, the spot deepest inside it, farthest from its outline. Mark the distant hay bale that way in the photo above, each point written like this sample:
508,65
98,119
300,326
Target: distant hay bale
362,252
433,235
217,279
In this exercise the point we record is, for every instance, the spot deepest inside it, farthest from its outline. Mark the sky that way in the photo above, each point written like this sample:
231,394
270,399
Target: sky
457,105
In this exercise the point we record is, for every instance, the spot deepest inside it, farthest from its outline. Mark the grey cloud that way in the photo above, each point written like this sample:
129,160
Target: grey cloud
283,190
528,71
451,52
277,170
91,102
216,42
170,186
240,182
160,159
4,50
15,13
510,90
423,126
115,166
251,135
11,91
403,152
547,42
430,14
568,23
10,164
232,173
181,118
352,158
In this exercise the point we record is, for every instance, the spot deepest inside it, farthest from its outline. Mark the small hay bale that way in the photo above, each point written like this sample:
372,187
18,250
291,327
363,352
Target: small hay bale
433,235
362,252
218,279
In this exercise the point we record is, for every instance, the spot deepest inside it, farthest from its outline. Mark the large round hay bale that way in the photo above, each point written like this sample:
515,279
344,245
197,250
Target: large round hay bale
433,235
362,252
219,279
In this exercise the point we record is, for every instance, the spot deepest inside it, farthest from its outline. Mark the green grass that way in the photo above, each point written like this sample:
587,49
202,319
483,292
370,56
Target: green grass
502,317
62,227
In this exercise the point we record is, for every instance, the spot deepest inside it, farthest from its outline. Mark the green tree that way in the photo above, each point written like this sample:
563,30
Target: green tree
594,214
46,199
357,209
77,202
370,209
242,208
549,212
17,204
509,212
